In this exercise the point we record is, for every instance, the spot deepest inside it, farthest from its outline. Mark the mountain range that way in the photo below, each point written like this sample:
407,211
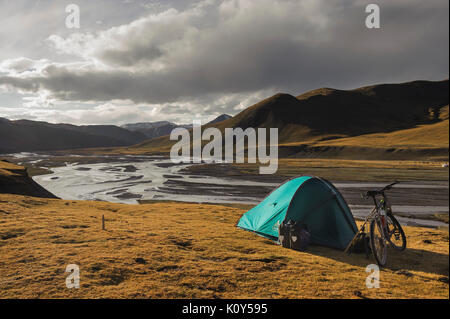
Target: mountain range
26,135
404,120
339,122
155,129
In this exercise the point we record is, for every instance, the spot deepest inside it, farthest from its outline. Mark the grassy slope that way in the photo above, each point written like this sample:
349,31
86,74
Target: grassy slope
191,251
16,180
7,169
423,136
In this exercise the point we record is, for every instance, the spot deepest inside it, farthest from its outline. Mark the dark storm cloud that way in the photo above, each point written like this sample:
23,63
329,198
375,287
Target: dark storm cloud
212,49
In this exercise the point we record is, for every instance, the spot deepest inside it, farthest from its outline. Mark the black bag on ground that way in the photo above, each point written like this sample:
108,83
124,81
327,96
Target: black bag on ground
362,244
294,235
284,231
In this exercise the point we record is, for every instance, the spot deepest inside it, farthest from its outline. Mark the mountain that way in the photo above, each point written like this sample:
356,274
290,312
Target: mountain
332,115
25,135
220,118
145,125
156,129
153,129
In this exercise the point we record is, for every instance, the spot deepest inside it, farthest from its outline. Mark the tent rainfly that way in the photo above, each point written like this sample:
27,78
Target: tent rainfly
312,201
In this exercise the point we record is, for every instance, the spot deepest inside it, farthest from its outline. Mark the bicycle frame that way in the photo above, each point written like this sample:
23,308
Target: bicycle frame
383,216
373,215
385,204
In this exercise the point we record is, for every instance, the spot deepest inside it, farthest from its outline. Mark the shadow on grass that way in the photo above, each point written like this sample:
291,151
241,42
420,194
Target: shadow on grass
410,260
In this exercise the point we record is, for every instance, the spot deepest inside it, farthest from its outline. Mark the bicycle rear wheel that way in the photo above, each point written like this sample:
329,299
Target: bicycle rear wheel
395,234
377,242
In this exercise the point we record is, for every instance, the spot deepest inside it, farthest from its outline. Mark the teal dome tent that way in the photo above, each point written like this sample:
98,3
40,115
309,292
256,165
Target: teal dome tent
312,201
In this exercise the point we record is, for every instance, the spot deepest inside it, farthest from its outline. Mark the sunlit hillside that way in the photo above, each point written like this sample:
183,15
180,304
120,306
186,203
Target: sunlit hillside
396,121
423,136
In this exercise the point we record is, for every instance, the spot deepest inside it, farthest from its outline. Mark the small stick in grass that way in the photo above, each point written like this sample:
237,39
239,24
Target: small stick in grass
103,222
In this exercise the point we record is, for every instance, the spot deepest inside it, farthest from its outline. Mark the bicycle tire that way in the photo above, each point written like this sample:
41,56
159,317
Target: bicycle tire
380,253
397,226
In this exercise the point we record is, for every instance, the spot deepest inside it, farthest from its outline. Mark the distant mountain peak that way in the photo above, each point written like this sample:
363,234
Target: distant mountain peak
220,118
152,129
145,125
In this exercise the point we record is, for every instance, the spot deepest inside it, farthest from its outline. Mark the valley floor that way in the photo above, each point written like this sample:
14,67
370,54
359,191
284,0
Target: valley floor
179,250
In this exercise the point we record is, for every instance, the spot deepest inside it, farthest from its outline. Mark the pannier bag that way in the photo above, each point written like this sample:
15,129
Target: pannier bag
294,235
361,244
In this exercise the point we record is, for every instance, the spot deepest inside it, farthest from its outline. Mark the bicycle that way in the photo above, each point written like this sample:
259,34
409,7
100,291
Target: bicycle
384,227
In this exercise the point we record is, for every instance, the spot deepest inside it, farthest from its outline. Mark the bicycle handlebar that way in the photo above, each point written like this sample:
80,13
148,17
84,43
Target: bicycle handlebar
379,191
388,187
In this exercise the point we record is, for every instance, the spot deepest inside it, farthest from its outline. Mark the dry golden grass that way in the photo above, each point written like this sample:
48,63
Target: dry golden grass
345,163
423,136
7,169
356,170
9,166
190,251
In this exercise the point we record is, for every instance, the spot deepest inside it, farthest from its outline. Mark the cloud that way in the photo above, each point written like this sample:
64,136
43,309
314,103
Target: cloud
213,52
17,65
126,111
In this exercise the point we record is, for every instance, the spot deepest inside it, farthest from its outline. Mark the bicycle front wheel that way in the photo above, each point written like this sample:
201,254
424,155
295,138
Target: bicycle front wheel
378,242
395,234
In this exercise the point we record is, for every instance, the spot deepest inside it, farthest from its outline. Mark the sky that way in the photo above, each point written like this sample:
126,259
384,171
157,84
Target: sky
137,61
